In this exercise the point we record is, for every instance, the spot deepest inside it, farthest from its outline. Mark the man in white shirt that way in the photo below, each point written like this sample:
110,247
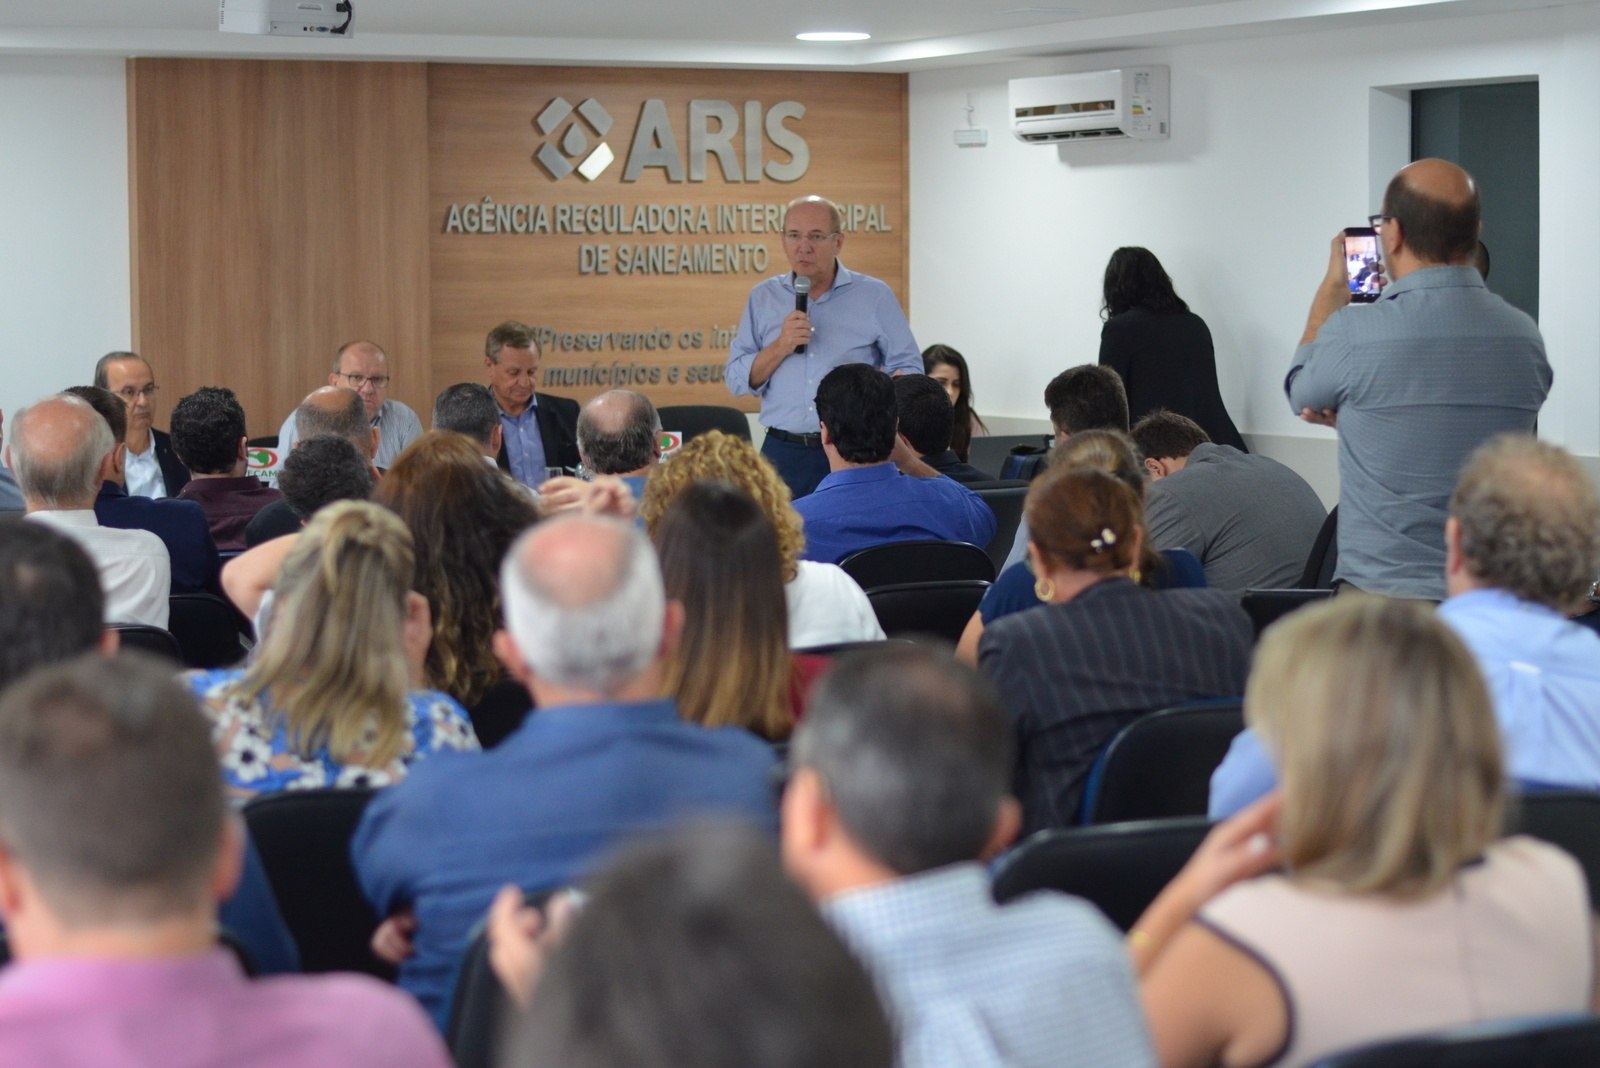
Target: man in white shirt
61,450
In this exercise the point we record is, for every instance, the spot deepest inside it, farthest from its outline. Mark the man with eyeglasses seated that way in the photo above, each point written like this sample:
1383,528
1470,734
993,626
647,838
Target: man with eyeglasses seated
780,353
364,367
152,469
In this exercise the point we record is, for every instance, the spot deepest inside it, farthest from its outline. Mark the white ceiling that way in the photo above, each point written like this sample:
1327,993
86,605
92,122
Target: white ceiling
907,34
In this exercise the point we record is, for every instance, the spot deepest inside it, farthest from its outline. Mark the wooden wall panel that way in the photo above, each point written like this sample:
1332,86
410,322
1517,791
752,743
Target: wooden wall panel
278,209
482,143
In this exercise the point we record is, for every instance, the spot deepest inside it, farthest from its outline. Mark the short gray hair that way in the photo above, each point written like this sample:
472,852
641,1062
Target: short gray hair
597,640
69,478
618,447
350,422
467,408
1530,521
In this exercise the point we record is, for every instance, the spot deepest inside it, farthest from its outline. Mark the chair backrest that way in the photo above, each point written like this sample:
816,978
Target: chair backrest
841,648
692,420
988,453
209,631
900,562
147,639
500,711
1541,1042
1266,607
1120,867
1160,765
1324,557
265,441
1024,462
1005,500
303,837
927,609
1566,818
481,1005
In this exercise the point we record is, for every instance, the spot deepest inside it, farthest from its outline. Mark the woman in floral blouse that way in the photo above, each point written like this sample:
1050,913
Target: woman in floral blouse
334,696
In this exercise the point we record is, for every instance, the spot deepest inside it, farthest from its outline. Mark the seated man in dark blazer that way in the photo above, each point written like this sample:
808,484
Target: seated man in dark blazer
181,525
538,431
927,422
153,469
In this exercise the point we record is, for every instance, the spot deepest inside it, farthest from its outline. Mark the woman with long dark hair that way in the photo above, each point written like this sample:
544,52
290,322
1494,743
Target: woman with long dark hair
948,367
1161,349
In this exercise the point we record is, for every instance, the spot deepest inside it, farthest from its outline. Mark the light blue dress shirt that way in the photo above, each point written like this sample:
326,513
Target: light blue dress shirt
1543,675
858,320
524,445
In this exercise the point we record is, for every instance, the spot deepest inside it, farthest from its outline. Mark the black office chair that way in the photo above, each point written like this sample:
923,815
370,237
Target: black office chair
499,712
1025,462
1324,558
1540,1042
841,648
303,837
692,420
1569,819
927,609
901,562
209,631
1266,607
481,1004
141,637
988,453
1005,500
1120,867
265,441
1159,766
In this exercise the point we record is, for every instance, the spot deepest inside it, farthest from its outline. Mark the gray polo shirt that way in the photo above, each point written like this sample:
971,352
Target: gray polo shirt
1420,378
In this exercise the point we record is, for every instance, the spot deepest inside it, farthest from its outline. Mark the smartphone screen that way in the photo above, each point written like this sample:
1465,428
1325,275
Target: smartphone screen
1363,260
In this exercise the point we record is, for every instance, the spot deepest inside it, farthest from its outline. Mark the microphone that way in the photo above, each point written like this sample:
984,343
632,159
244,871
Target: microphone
802,292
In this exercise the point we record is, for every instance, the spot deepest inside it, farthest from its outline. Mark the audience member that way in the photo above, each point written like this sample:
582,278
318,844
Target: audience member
825,605
180,524
331,411
1160,349
363,367
539,431
334,695
619,433
732,667
1013,591
669,930
1103,650
118,845
1522,548
877,491
1415,381
153,468
1249,519
1397,911
62,450
463,515
10,495
606,756
1079,399
899,792
948,367
468,408
926,422
208,433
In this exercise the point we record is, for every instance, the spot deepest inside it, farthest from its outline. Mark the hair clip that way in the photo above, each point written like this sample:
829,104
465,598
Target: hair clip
1106,540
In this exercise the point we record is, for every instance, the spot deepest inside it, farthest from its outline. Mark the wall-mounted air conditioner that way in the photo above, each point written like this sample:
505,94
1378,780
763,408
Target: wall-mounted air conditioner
1102,104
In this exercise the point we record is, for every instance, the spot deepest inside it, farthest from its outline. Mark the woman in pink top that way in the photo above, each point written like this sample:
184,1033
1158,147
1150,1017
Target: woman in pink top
1400,910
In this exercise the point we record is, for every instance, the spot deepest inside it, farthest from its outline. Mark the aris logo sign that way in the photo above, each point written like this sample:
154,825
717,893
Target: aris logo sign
714,129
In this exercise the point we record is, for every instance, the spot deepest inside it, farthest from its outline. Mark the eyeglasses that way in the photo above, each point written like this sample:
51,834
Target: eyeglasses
129,394
1377,221
815,237
357,381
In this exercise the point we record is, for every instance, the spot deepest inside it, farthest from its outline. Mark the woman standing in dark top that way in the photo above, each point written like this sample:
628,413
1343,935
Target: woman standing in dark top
1161,349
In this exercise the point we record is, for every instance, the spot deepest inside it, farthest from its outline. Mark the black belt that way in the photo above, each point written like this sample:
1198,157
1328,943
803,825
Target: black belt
810,441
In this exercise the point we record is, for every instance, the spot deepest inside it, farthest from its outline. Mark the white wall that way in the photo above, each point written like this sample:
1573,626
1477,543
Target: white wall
1276,144
64,264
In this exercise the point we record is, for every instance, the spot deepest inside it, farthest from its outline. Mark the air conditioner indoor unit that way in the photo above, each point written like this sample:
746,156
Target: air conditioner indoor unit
286,18
1103,104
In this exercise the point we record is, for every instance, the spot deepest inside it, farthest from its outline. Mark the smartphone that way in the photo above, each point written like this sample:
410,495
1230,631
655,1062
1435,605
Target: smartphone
1363,261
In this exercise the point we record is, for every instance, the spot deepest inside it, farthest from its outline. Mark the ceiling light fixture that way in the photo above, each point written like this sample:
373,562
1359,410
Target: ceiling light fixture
833,35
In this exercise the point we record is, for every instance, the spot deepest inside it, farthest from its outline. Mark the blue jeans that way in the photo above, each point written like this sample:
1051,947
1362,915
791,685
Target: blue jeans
800,466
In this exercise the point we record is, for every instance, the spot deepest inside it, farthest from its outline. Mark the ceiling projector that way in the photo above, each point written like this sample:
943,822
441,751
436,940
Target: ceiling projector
287,18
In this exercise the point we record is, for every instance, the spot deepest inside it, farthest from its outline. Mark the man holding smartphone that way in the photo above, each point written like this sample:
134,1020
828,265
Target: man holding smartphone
1414,381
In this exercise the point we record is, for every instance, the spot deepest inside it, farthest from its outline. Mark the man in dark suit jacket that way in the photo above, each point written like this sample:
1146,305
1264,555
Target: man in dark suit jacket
129,377
538,431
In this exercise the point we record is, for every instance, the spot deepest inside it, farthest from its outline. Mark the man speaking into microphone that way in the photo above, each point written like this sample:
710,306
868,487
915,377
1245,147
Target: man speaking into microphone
790,337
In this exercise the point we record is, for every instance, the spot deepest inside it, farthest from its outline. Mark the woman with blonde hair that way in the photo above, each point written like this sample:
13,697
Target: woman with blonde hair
825,606
333,697
1399,910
